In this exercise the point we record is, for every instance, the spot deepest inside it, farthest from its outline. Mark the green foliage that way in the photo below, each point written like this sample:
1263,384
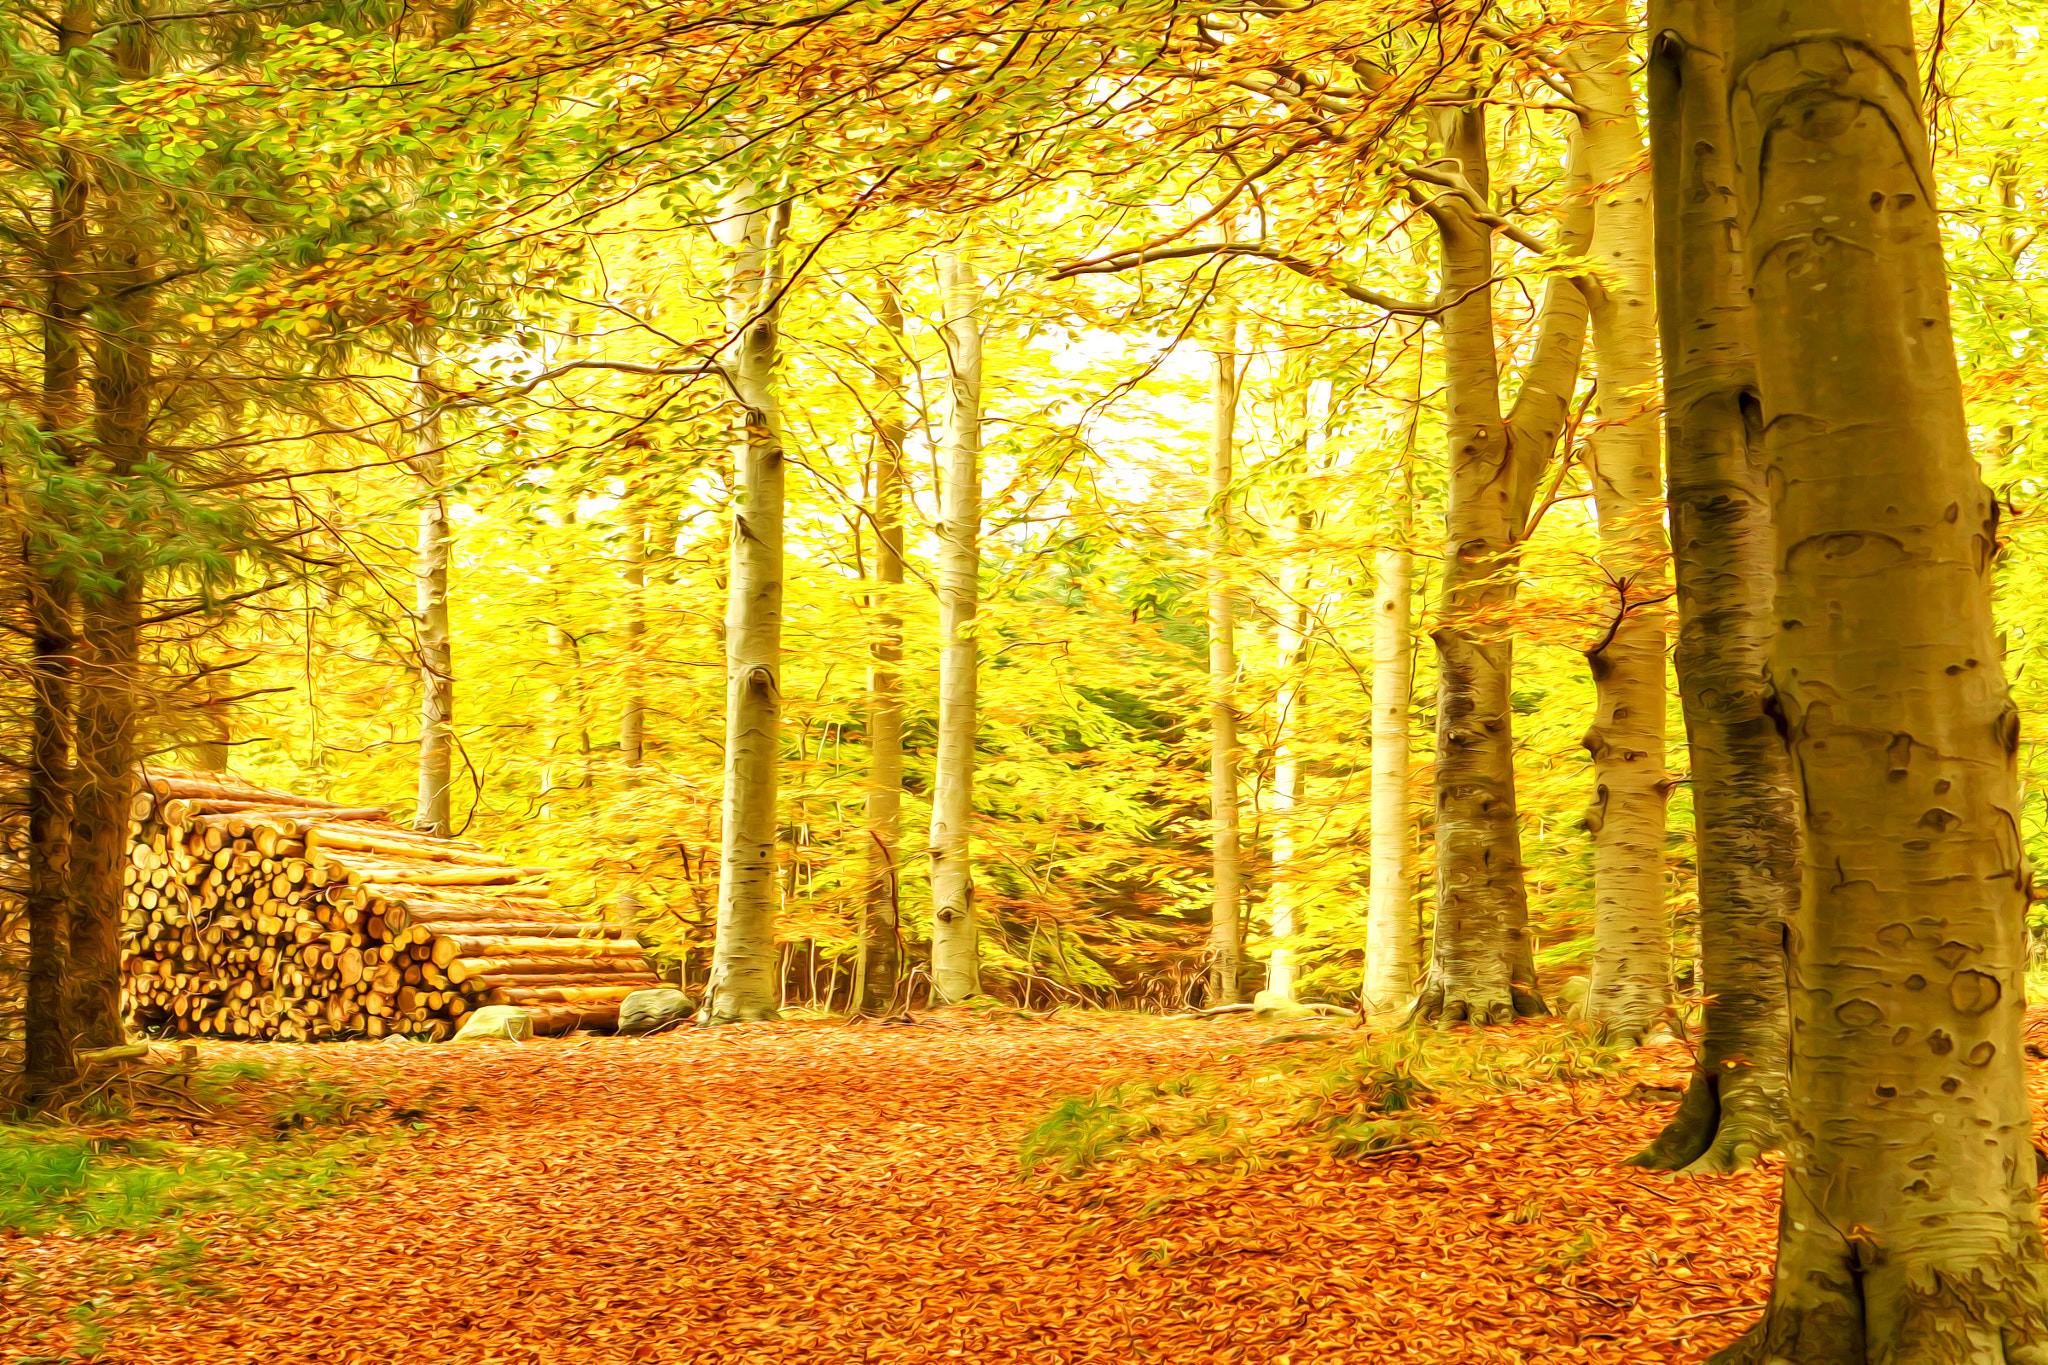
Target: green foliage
1350,1103
91,1184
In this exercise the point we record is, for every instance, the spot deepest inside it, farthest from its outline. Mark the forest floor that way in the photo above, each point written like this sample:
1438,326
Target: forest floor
813,1192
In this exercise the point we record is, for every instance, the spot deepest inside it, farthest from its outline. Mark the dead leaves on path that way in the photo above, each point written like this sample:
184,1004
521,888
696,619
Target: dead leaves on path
817,1193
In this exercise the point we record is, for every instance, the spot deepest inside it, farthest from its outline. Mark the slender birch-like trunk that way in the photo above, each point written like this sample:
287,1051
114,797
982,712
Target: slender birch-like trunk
633,714
430,587
110,609
881,961
956,948
1391,961
1483,962
1744,810
1225,935
1291,643
47,1063
1631,977
1910,1230
745,980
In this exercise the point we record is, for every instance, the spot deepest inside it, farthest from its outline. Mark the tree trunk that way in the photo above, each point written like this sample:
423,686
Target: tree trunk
1911,1225
1227,887
956,952
1483,967
430,584
744,980
1290,707
633,714
1391,961
48,1063
110,604
881,962
1745,817
1631,978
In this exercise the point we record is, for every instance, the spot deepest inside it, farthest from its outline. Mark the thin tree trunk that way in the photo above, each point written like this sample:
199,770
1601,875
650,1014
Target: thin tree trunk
633,714
1631,978
881,965
430,585
111,604
956,951
1744,812
1290,774
48,1064
1910,1229
1483,967
745,979
1391,957
1227,874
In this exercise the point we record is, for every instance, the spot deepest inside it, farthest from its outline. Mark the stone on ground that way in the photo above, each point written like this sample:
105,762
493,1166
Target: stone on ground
493,1022
646,1011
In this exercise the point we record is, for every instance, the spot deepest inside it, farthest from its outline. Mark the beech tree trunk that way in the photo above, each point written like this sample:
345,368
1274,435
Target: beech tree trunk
1631,977
1225,937
633,714
1483,965
1290,775
1911,1224
956,950
744,981
881,962
1391,949
430,586
47,1062
1744,812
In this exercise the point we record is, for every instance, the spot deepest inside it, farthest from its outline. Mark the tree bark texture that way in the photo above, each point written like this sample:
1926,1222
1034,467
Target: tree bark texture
1483,962
1227,886
430,608
110,603
956,948
1744,812
633,713
745,980
1392,959
47,1062
1631,977
1910,1229
881,963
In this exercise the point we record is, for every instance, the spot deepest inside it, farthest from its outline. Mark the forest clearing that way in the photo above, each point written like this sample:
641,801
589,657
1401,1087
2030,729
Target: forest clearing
808,1192
1095,680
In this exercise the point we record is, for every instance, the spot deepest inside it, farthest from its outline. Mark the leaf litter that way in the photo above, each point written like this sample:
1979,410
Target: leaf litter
810,1192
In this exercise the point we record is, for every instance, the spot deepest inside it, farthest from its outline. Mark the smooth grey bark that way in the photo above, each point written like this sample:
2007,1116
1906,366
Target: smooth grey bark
880,969
1227,886
1284,900
745,980
1744,812
430,587
1392,952
956,945
1910,1231
1631,976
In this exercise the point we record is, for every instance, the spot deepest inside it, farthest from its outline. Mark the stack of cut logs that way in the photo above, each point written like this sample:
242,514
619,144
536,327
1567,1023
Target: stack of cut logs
255,914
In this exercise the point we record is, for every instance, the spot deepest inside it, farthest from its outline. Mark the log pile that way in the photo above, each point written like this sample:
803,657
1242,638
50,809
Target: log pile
252,913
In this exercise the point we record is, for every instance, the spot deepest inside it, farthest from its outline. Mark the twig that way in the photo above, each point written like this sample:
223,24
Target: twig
1722,1312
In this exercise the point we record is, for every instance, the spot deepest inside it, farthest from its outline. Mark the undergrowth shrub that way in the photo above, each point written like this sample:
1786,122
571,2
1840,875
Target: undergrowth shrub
1350,1103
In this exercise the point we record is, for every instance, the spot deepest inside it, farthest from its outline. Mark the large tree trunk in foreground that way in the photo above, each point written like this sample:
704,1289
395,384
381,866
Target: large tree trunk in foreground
1745,817
110,604
1391,948
744,967
881,961
956,946
1483,964
1227,889
48,1064
1631,979
1910,1229
430,586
